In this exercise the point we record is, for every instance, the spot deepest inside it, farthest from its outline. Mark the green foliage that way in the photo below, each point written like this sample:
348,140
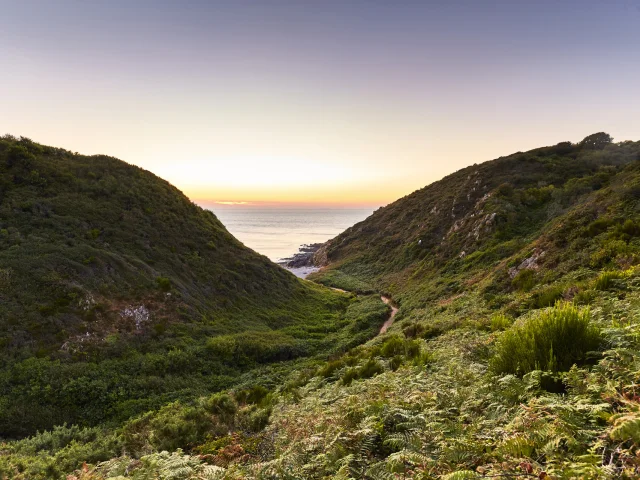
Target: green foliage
606,279
248,348
448,396
163,283
254,395
553,340
547,296
343,281
392,346
368,314
598,226
115,286
596,141
524,280
221,404
500,322
175,426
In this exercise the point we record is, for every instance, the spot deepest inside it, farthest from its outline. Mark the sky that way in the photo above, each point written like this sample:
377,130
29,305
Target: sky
316,102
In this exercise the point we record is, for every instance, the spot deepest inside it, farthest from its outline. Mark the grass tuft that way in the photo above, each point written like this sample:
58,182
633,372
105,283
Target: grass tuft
554,340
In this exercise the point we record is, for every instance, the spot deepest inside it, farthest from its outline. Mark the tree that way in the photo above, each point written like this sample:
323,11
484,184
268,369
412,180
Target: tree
596,141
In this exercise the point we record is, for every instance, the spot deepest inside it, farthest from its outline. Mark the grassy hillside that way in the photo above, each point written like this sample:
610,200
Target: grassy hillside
515,353
517,223
118,294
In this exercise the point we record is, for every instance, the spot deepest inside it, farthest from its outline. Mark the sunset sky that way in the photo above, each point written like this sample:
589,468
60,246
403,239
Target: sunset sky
323,102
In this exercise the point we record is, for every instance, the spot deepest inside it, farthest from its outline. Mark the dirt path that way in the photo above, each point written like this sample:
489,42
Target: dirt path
389,321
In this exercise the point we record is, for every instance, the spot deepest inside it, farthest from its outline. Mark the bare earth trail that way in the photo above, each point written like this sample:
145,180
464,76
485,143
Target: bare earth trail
389,321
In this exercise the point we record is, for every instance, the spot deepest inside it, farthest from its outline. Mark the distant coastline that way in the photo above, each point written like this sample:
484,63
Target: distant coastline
303,263
283,234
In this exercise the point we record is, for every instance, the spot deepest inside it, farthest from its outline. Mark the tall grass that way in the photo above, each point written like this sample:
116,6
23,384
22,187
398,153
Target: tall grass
607,279
554,341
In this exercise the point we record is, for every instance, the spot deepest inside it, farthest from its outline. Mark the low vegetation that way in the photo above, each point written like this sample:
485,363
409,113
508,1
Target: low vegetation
553,341
515,352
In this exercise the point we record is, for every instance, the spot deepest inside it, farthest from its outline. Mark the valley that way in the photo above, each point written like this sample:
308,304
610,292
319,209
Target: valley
484,326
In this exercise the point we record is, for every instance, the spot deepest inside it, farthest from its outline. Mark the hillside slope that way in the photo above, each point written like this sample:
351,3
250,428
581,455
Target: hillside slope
515,352
472,230
105,269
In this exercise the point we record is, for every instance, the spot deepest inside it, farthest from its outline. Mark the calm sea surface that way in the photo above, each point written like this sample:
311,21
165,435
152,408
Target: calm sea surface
278,232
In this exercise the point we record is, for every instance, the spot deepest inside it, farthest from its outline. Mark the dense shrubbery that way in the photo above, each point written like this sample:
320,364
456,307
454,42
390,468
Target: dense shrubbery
552,340
113,282
343,281
473,380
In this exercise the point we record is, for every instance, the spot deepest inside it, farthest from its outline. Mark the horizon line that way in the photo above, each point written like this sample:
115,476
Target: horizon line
208,203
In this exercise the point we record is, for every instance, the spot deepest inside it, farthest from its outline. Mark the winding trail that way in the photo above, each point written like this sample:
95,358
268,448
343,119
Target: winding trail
389,321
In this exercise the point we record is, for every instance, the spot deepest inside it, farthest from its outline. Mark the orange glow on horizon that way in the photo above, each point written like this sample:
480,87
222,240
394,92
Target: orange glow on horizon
355,196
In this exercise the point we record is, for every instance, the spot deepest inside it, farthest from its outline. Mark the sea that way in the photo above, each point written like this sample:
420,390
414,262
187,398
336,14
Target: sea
278,232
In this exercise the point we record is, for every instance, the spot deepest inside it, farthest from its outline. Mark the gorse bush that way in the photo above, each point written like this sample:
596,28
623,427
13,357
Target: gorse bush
554,340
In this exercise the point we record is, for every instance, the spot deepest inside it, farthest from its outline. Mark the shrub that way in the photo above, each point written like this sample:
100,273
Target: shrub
432,331
584,297
255,419
222,347
330,368
254,395
554,341
500,322
370,369
598,226
221,404
368,314
349,376
173,426
606,279
547,296
524,280
596,141
395,362
250,347
609,251
392,346
413,330
412,348
163,283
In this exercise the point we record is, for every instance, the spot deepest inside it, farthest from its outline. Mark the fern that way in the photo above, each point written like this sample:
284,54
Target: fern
626,427
461,475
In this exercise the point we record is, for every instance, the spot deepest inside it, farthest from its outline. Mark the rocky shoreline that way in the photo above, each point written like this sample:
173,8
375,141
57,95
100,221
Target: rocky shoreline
304,257
309,259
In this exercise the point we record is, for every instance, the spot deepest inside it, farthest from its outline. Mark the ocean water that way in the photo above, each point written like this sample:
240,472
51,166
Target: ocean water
278,232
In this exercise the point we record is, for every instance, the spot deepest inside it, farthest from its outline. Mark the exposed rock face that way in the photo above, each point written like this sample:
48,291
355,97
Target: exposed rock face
530,263
139,314
320,258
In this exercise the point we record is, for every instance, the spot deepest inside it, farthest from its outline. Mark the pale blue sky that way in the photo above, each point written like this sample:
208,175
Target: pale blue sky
348,102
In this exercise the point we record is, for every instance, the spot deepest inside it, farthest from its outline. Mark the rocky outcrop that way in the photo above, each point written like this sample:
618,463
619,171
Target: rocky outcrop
321,257
304,258
530,263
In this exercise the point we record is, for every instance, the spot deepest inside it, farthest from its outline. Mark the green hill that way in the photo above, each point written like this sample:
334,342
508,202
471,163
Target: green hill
515,352
113,285
476,229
